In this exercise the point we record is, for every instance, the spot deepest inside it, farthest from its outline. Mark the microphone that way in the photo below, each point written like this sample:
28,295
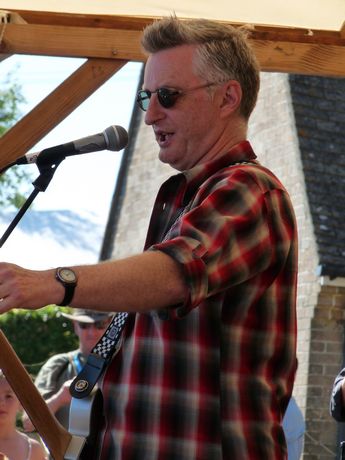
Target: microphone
113,138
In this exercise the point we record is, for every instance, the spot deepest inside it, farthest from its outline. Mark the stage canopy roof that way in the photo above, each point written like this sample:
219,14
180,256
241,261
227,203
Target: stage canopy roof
305,37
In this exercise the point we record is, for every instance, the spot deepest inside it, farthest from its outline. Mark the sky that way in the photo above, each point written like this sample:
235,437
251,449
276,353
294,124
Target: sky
80,192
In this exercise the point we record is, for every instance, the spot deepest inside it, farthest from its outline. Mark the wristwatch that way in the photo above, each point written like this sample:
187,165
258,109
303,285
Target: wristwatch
68,279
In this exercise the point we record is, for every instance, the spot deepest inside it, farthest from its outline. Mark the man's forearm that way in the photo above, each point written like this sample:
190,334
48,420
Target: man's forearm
136,284
140,283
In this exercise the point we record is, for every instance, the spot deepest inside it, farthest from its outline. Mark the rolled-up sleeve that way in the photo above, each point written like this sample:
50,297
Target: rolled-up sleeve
224,238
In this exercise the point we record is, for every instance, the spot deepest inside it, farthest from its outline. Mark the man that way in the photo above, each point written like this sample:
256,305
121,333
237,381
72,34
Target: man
208,358
55,376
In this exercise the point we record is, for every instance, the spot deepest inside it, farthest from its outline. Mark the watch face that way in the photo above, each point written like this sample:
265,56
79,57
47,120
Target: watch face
67,275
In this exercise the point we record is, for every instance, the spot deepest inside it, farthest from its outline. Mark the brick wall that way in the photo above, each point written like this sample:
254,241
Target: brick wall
273,135
326,345
320,308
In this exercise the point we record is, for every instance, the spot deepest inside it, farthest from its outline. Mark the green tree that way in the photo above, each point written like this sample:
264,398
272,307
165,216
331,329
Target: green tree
11,182
36,335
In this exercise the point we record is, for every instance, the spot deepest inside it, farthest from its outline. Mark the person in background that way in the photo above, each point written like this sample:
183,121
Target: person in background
56,375
337,400
15,445
208,355
337,404
294,429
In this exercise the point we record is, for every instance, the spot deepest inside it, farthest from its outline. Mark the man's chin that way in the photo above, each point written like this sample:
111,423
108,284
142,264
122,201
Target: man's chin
163,156
167,158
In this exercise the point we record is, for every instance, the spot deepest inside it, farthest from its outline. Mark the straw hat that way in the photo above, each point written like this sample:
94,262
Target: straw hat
87,316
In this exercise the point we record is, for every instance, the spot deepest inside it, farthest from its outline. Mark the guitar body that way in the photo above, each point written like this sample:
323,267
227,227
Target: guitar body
86,422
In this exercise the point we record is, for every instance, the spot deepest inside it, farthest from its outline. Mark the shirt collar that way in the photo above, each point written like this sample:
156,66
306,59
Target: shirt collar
192,178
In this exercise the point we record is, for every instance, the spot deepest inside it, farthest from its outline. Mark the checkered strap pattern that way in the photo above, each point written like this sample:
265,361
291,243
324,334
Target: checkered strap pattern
106,345
99,358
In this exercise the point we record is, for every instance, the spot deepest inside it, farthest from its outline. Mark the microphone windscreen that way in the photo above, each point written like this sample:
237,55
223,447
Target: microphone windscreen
116,137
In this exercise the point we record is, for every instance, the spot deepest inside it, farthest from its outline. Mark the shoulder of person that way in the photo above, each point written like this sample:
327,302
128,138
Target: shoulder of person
55,364
341,374
61,358
37,450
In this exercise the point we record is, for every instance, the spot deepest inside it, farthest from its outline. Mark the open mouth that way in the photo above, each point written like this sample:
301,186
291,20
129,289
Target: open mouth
163,138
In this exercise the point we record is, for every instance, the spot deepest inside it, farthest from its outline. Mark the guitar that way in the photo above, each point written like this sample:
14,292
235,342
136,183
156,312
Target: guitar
80,441
86,422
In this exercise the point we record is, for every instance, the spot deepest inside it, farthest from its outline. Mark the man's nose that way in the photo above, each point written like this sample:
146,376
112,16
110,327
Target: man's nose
154,111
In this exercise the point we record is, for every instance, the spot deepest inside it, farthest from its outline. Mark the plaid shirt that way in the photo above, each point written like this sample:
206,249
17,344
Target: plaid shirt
210,379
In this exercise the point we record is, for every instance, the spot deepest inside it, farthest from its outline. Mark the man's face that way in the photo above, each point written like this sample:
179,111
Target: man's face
89,333
188,132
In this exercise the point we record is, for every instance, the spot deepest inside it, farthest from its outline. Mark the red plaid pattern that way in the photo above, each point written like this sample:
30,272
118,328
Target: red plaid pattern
210,379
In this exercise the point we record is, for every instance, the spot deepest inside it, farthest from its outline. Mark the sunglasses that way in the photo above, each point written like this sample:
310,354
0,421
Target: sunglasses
167,97
97,324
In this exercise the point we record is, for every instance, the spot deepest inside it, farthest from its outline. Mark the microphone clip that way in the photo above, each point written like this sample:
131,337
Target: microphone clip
47,171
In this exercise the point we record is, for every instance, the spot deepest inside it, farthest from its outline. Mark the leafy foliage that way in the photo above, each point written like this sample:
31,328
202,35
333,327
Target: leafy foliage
11,181
37,335
10,98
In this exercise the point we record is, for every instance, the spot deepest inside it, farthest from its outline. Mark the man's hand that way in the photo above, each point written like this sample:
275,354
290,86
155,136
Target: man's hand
31,289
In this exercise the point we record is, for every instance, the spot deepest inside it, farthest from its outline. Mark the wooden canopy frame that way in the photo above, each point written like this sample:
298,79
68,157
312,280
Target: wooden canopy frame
109,42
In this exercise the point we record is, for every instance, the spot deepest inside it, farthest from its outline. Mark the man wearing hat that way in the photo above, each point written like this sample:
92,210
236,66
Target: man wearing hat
55,376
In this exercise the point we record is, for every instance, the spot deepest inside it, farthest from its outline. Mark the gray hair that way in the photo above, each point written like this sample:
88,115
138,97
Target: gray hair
223,52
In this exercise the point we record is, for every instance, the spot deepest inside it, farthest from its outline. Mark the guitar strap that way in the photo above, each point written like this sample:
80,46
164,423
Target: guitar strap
99,357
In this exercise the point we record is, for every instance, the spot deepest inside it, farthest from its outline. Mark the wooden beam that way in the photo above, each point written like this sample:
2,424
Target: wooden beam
85,20
279,49
300,58
85,42
55,107
342,30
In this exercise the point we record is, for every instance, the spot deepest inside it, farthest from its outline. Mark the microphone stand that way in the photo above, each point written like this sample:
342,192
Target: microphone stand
47,171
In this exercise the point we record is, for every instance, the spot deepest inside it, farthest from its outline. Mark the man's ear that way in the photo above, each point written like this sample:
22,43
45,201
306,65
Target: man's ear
232,97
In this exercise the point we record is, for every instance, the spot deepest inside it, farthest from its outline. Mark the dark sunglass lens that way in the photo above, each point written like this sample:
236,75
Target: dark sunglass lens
167,97
143,99
84,325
